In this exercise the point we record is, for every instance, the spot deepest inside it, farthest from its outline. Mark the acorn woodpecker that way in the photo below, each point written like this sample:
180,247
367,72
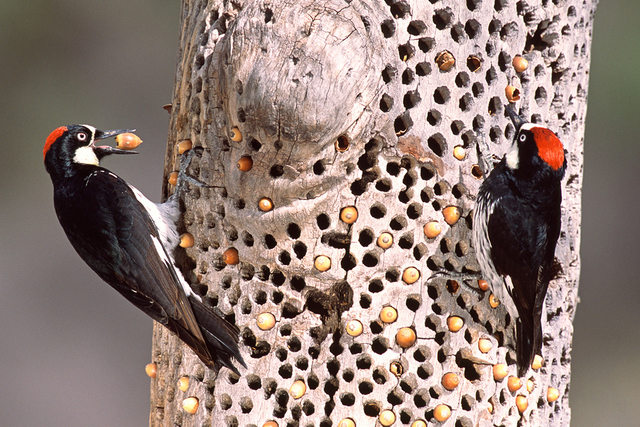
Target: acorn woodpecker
129,241
516,223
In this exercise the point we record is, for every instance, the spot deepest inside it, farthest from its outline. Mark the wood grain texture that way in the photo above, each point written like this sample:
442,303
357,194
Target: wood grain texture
297,77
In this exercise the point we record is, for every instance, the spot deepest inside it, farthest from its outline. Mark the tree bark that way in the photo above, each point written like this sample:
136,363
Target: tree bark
343,103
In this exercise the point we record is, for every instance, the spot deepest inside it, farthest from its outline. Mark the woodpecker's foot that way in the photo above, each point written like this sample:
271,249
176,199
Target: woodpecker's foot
466,279
486,160
183,177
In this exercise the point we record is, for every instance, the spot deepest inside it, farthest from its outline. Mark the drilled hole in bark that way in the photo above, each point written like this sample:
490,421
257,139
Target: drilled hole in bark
254,144
407,76
386,103
323,221
406,51
466,102
388,27
389,73
425,44
402,123
276,171
437,144
458,33
416,27
442,18
434,117
423,69
441,95
411,99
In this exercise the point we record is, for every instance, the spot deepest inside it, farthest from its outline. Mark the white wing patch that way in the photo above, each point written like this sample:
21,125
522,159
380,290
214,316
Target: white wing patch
168,260
165,223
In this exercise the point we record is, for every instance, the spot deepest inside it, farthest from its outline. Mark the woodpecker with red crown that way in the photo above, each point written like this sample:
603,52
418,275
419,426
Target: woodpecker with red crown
129,241
516,224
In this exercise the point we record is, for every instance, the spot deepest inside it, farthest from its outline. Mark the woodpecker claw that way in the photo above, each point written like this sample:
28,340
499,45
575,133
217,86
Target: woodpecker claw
458,277
486,160
183,177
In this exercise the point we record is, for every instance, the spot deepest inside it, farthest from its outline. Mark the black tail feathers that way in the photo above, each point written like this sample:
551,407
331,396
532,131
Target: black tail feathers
221,336
528,343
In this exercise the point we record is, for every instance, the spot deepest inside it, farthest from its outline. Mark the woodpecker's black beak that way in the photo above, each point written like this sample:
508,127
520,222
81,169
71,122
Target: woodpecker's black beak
515,118
104,150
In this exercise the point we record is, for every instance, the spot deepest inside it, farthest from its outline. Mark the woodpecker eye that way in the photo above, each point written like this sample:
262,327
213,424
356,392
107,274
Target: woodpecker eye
82,136
523,137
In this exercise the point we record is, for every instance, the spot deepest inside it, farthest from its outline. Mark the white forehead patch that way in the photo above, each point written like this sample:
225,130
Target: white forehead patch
528,126
92,129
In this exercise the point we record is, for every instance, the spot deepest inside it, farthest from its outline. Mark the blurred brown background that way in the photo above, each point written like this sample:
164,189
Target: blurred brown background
73,351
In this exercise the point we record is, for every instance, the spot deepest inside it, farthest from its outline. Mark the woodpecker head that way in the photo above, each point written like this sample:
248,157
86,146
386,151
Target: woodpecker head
534,149
70,147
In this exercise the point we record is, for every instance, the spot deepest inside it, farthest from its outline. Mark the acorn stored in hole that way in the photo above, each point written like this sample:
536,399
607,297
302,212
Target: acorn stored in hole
385,240
537,362
519,63
186,240
450,381
405,337
432,229
493,301
354,327
342,143
349,214
445,60
184,146
442,412
151,369
451,214
322,263
245,163
514,383
552,394
265,321
388,314
347,422
484,345
459,152
522,403
297,389
173,178
410,275
387,417
455,323
396,368
512,93
190,405
265,204
183,383
236,135
500,371
230,256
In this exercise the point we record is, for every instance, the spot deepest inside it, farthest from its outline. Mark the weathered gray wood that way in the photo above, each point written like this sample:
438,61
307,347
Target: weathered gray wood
295,77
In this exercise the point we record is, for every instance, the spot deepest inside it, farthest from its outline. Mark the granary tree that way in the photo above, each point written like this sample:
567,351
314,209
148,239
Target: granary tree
340,140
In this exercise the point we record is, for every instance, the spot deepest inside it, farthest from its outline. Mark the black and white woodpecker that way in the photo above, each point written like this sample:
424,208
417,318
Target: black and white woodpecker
129,241
516,224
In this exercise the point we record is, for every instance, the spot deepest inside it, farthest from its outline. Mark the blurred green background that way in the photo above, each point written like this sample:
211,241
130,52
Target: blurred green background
73,351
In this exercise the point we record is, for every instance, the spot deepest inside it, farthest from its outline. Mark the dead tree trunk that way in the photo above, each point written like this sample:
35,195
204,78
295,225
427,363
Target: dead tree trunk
349,104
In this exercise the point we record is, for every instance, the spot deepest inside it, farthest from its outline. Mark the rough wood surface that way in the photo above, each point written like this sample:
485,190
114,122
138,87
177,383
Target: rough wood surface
298,77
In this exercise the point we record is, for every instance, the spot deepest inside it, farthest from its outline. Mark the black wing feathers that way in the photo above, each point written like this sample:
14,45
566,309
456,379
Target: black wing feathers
119,241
